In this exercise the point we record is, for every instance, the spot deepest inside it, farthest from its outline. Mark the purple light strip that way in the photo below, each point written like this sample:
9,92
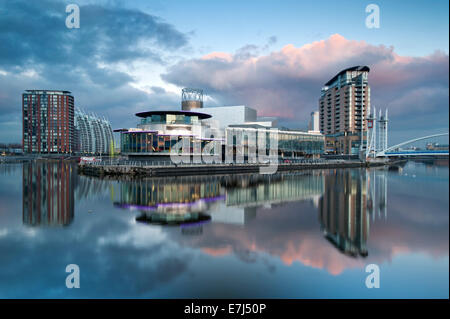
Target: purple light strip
212,139
144,207
176,135
129,132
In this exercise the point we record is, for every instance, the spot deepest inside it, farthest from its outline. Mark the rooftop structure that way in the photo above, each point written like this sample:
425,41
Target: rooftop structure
345,76
344,105
225,116
191,99
171,115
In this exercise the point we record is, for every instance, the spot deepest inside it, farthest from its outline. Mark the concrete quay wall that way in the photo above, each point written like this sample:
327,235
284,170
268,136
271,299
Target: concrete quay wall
202,169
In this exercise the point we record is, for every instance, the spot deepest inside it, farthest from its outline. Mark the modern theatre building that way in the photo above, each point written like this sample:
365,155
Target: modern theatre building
158,131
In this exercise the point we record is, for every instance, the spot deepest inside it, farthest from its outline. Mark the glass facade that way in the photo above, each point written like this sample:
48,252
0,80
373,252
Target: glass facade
151,142
290,143
157,134
293,187
158,131
163,193
170,119
300,143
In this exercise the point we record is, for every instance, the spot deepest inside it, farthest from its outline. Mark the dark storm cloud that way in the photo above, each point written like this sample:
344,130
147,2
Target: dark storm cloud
38,51
35,32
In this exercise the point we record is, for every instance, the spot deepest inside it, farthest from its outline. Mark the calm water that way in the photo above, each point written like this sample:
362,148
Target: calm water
299,235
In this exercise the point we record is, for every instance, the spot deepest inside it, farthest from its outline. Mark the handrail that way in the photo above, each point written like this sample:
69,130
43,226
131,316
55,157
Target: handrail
383,152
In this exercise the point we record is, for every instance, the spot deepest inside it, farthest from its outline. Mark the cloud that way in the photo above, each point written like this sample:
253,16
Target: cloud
105,62
280,233
34,32
94,62
117,257
287,83
293,232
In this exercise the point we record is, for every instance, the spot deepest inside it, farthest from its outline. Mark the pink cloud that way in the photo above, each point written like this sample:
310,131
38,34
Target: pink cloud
287,82
218,55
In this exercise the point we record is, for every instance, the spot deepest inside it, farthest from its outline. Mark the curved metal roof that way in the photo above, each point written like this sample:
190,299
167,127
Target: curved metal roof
353,68
201,116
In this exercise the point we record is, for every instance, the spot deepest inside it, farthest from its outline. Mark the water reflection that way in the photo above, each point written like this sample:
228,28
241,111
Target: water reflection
342,212
48,193
50,190
332,220
89,188
345,200
275,189
179,199
170,201
350,198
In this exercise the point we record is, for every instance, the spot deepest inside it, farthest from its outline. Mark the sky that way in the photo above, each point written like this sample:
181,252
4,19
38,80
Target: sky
274,56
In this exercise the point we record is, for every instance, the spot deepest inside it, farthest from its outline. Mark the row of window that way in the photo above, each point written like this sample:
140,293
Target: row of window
170,119
146,143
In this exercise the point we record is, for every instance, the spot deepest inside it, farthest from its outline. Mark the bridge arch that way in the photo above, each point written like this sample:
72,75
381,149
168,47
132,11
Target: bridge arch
383,152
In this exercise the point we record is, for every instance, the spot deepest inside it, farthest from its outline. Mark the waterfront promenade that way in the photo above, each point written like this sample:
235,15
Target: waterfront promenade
148,169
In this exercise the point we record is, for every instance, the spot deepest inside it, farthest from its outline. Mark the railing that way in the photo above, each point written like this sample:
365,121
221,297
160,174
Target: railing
395,147
169,163
416,153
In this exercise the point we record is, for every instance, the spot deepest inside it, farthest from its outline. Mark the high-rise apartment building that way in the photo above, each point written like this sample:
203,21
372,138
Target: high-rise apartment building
344,105
48,122
94,134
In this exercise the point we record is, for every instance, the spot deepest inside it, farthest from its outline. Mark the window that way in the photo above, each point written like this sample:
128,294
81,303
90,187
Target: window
156,119
171,119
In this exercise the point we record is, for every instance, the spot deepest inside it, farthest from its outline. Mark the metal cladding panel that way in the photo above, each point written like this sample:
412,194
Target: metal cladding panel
231,115
95,134
189,105
250,114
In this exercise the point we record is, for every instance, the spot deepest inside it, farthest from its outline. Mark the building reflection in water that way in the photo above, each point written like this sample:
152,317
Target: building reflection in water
171,201
50,189
347,199
48,193
350,198
276,189
193,200
90,188
376,183
252,191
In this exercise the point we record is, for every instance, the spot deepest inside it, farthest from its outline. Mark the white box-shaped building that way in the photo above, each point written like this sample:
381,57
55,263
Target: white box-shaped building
225,116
